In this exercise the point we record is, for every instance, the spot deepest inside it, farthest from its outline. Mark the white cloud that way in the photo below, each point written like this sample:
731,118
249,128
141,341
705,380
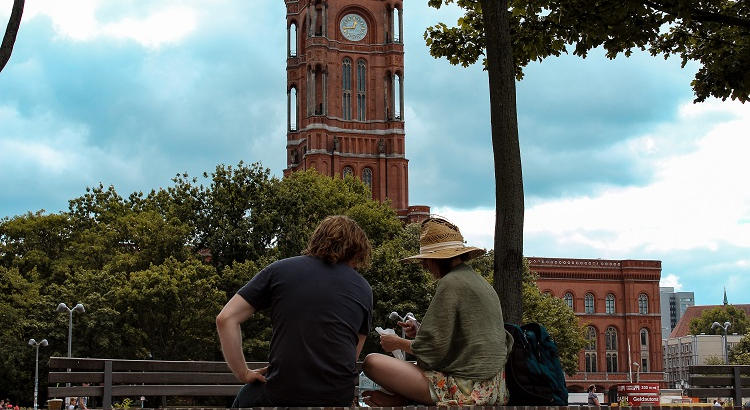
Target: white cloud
78,20
698,199
671,281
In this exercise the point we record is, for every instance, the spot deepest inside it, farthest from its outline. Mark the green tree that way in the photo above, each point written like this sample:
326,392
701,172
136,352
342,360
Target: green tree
714,360
721,314
512,33
740,353
11,31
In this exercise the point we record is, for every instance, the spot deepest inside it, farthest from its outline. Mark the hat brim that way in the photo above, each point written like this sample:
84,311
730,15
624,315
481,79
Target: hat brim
446,253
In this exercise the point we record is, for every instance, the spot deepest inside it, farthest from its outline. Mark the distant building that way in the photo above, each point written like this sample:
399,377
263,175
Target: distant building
681,349
618,301
673,306
682,352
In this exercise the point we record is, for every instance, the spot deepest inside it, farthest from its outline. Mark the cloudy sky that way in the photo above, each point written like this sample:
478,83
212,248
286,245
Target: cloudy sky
618,162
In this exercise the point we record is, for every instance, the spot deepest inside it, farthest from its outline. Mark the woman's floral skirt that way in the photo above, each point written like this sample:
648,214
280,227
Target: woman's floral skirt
447,390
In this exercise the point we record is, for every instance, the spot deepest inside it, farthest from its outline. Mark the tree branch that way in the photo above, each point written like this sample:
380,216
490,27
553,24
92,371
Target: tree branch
6,48
700,15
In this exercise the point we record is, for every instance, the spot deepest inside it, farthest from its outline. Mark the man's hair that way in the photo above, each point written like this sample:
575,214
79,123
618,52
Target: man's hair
338,239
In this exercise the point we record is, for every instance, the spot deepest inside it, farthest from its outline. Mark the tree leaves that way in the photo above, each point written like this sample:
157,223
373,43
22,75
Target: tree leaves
713,33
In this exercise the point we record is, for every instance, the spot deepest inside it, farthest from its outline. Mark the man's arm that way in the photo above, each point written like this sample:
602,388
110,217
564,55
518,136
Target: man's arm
234,313
360,343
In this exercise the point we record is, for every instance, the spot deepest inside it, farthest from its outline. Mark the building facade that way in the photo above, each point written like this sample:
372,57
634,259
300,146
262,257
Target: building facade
345,95
673,306
693,350
617,301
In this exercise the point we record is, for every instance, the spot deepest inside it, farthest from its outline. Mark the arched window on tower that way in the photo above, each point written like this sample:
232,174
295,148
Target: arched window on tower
396,18
588,303
590,351
346,104
398,96
644,350
292,40
367,177
361,89
569,300
643,304
348,171
610,338
609,304
293,108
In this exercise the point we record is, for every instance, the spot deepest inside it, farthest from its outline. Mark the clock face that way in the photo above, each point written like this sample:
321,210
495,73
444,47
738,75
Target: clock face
353,27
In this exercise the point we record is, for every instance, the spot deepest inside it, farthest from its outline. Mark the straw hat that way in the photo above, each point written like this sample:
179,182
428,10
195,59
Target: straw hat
440,239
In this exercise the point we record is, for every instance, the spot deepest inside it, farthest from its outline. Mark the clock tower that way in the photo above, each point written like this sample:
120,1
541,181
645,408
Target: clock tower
345,95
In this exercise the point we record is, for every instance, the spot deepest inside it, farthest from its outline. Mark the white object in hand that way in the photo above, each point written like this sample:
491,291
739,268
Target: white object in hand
398,353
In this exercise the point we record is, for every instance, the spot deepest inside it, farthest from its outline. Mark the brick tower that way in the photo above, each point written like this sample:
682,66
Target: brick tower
345,95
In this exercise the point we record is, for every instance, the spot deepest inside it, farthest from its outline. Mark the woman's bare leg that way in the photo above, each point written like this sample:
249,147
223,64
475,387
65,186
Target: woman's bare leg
398,376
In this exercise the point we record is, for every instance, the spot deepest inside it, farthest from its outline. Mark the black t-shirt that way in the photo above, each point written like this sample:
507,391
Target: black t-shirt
317,311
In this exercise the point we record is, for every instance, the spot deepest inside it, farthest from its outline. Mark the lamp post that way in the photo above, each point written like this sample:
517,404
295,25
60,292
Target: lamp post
62,307
36,344
723,327
637,372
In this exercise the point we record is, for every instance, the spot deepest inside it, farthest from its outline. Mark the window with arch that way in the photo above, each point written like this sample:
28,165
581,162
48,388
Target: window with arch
347,171
610,342
590,351
644,350
643,304
293,108
398,91
292,40
588,303
609,304
361,88
569,299
346,86
367,177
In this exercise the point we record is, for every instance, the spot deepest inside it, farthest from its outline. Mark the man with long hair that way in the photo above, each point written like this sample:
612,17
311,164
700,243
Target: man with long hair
321,310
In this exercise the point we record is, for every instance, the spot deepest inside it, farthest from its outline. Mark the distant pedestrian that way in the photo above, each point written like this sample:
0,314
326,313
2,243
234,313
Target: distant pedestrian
716,403
593,399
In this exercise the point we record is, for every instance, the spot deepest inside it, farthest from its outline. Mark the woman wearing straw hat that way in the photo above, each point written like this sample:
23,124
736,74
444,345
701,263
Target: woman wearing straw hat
460,346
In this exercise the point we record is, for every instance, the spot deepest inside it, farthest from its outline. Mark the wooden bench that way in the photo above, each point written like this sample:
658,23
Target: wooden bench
720,381
110,378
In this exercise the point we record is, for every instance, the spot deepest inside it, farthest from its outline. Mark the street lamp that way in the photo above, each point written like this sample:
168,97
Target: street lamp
724,328
637,372
36,344
62,307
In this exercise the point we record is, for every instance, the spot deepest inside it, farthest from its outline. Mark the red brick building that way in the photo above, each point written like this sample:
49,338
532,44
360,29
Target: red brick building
618,303
345,95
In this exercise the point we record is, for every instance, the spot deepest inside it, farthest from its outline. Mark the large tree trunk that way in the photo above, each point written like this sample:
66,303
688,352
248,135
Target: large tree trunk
10,33
507,154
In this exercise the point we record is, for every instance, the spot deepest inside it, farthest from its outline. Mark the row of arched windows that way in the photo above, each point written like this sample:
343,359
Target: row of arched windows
317,78
366,174
317,23
589,305
611,349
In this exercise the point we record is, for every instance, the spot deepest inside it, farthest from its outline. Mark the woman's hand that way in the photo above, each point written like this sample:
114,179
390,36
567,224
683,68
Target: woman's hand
251,376
410,328
391,342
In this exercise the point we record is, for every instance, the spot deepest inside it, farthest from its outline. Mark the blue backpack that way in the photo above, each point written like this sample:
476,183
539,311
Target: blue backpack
533,372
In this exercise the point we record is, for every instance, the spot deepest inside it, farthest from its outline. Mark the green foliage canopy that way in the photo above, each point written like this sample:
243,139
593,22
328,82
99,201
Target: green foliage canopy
721,314
713,33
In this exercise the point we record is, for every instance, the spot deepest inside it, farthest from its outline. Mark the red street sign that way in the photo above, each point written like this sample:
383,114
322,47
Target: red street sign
637,393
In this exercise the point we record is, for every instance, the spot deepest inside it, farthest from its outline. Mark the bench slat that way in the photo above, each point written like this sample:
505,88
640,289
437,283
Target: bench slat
137,390
77,363
719,369
718,380
704,392
187,378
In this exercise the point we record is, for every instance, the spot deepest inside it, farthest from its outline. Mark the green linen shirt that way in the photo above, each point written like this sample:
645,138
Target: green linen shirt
462,333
